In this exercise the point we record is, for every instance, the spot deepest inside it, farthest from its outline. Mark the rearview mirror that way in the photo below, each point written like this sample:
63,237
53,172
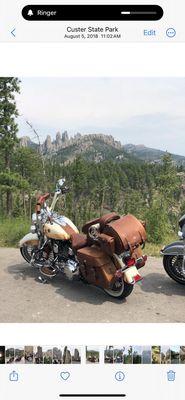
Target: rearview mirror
61,182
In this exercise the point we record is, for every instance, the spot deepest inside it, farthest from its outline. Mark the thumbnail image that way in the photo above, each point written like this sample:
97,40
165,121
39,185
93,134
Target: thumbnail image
47,355
57,355
175,354
75,354
19,355
2,355
182,354
128,355
38,355
146,355
119,354
28,353
10,354
165,355
137,355
92,355
109,355
66,355
71,355
156,354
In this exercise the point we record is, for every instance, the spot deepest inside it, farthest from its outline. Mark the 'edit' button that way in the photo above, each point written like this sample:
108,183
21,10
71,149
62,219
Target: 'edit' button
149,32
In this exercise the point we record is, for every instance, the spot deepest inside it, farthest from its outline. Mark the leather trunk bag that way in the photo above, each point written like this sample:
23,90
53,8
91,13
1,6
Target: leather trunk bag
128,233
96,267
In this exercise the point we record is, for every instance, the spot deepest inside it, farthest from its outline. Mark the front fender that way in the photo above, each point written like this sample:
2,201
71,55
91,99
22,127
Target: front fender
29,239
173,249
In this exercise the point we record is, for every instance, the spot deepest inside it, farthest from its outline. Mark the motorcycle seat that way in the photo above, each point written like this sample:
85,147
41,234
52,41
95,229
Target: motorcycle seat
78,241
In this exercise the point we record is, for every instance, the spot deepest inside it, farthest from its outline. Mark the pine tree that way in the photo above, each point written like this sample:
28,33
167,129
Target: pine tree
168,181
8,128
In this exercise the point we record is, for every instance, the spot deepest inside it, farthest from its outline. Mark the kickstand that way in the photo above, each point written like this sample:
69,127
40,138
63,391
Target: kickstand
42,280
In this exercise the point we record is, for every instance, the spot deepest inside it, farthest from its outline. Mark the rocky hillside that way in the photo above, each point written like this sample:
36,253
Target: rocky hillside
95,147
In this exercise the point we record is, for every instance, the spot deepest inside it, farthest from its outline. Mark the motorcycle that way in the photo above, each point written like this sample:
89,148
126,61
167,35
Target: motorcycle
108,254
174,256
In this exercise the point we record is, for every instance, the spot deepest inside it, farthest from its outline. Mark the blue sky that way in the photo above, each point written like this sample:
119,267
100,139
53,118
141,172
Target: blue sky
147,111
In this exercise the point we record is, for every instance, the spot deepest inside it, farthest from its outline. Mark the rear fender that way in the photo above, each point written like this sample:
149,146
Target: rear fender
31,239
131,275
173,249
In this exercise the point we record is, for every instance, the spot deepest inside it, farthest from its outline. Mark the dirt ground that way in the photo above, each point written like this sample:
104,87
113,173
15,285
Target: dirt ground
24,299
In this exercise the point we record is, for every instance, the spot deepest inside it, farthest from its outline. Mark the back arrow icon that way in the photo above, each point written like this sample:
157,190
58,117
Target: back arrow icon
13,32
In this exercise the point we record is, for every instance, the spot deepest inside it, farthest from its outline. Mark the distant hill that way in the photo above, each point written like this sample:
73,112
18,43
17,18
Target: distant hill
96,147
149,154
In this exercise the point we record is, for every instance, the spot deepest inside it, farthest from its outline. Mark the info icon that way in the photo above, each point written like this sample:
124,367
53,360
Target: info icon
119,376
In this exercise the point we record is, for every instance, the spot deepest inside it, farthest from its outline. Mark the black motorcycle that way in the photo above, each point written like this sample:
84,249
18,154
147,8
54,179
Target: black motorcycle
174,256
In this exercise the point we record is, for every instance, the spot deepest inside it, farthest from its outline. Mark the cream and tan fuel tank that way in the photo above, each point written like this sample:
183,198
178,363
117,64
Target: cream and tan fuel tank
60,228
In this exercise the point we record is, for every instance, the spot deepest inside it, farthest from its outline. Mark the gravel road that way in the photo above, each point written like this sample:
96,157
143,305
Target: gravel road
24,299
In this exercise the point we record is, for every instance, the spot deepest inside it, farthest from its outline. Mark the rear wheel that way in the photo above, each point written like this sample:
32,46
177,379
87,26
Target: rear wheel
120,290
173,265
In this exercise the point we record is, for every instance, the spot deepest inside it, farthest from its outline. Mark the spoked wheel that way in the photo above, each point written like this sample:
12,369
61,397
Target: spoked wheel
173,265
120,290
27,252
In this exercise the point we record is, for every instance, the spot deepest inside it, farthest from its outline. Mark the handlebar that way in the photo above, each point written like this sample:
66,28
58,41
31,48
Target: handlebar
40,201
43,198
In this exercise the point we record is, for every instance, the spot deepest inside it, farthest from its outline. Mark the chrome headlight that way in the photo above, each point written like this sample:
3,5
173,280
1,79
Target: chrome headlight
34,217
33,228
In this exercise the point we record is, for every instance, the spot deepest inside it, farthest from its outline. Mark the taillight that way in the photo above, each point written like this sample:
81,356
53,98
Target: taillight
140,262
130,262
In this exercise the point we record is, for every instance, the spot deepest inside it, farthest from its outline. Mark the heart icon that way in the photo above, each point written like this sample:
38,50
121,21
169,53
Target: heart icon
65,375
